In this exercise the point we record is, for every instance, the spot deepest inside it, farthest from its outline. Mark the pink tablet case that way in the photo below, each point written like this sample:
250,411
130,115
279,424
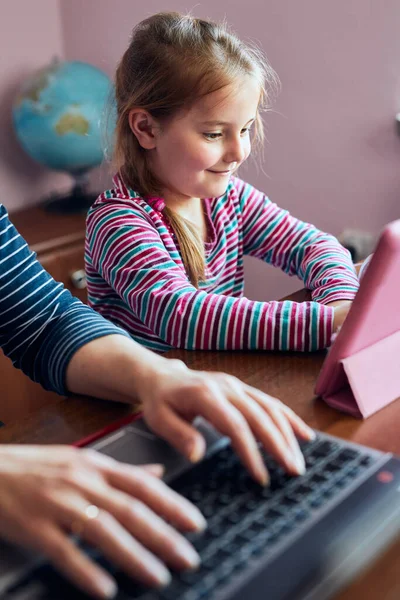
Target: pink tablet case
361,373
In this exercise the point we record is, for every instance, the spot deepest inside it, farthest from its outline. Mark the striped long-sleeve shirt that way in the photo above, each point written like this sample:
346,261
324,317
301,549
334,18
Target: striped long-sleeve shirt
41,324
136,277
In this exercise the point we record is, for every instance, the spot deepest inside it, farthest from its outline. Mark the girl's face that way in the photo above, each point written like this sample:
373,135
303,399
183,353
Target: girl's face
196,152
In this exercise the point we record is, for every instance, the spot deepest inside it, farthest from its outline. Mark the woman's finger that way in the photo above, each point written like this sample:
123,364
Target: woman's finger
72,562
285,428
108,535
107,463
300,428
136,482
216,406
177,431
273,408
270,432
146,527
155,470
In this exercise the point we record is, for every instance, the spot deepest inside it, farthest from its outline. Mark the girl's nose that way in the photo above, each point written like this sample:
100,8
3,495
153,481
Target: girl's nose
235,151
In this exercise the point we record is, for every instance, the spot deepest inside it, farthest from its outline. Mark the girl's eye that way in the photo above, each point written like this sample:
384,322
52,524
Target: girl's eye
217,134
212,136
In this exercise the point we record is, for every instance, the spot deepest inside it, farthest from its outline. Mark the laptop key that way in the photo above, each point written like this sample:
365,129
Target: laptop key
348,454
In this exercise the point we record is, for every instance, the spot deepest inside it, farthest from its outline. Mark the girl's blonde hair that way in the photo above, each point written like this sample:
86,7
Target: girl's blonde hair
171,62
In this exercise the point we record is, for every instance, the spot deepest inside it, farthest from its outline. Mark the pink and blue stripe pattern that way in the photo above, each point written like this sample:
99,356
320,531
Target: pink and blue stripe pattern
137,280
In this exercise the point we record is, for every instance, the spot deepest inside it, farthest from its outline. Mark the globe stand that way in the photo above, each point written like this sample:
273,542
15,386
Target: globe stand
77,201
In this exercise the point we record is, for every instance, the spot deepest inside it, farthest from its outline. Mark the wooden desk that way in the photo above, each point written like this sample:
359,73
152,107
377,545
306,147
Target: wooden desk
290,377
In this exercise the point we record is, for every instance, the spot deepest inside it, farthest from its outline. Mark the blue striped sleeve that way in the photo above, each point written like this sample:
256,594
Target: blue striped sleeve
41,324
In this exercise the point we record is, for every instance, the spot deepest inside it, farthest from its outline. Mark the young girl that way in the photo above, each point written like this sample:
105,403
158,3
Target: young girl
165,246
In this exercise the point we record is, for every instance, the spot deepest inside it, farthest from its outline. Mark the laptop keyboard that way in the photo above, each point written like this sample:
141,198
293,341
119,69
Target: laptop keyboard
245,521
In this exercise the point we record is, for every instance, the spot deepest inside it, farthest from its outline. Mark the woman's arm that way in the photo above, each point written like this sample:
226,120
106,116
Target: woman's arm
41,324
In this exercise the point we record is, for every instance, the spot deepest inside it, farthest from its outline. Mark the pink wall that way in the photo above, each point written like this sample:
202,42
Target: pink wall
333,157
30,35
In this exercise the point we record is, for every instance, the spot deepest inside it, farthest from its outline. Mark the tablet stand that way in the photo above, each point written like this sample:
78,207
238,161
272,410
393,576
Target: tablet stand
373,378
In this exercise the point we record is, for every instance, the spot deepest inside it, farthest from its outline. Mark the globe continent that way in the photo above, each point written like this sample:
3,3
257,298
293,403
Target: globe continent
63,116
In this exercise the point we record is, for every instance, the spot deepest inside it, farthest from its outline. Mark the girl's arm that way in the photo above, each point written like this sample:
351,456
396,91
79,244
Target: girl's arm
129,254
298,248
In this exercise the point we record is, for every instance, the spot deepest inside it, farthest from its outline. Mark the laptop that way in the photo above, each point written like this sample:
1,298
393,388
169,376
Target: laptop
361,372
302,538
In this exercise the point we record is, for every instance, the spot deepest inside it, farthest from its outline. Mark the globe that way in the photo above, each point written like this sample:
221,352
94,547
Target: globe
61,119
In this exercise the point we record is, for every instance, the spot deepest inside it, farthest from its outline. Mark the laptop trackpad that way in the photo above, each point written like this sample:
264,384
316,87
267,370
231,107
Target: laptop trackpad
137,445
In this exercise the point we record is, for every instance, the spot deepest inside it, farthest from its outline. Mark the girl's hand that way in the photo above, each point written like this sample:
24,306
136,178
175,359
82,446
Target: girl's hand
174,395
50,492
341,311
362,266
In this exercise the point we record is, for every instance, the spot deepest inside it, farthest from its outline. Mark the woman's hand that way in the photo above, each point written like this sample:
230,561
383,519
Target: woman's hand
174,395
171,396
50,492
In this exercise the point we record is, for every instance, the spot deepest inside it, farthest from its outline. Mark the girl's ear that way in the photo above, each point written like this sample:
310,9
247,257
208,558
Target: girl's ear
143,127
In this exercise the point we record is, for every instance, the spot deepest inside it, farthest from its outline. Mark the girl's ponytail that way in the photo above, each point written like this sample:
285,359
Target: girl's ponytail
190,245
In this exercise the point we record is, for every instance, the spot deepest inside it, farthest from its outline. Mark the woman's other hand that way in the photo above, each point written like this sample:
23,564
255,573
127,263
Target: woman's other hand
50,492
173,398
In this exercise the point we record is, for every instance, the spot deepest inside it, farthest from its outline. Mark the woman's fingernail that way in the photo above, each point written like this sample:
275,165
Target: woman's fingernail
311,434
295,461
263,477
197,519
188,554
156,470
105,586
162,575
300,463
196,451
